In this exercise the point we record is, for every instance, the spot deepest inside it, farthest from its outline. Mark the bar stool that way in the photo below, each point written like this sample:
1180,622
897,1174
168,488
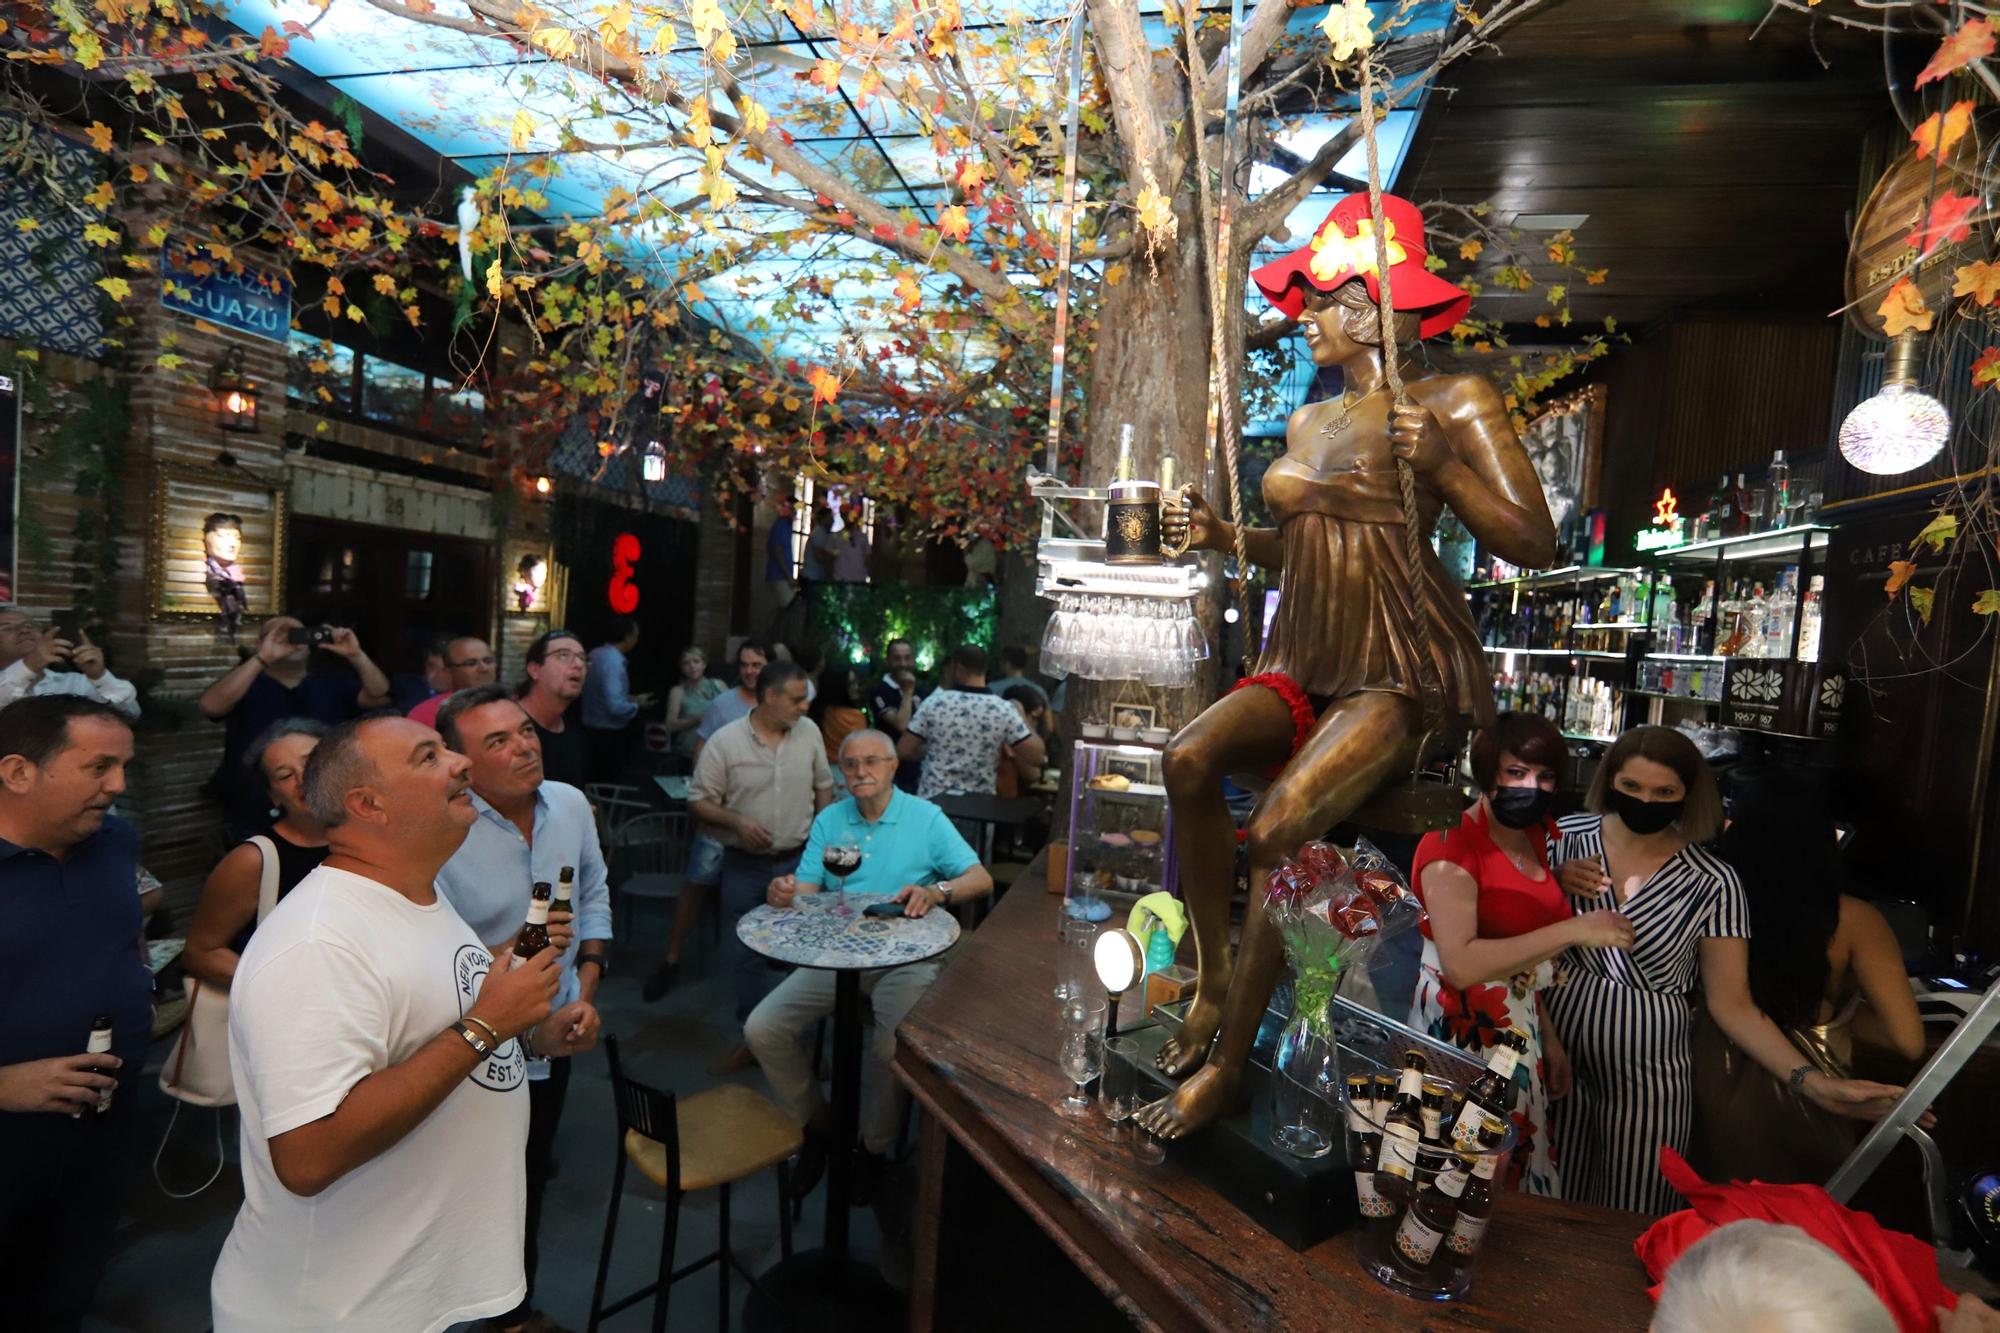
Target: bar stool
707,1141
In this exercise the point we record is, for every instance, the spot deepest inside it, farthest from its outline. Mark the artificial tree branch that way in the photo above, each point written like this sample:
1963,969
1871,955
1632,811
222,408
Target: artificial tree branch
1265,216
1260,34
1125,58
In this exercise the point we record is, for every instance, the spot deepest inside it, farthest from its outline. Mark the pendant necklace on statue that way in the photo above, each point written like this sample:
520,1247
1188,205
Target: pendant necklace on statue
1345,418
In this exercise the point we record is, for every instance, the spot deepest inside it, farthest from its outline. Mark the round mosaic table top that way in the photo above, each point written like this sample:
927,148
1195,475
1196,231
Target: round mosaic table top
818,932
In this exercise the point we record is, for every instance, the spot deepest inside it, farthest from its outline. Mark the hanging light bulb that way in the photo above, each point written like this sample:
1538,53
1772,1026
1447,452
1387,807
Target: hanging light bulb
1899,428
653,467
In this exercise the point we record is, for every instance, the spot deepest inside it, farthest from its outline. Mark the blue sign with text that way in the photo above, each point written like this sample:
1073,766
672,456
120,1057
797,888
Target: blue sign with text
226,293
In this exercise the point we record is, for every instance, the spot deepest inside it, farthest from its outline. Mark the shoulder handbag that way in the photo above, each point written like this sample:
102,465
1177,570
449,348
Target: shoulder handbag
197,1069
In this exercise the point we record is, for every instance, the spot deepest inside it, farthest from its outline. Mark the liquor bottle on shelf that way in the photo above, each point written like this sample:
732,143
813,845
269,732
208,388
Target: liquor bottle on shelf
1475,1204
1778,613
1402,1128
1778,477
1432,1216
534,936
1492,1093
1809,617
1364,1145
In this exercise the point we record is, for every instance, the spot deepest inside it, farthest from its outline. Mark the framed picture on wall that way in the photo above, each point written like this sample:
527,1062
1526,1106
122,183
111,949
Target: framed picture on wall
217,548
1566,445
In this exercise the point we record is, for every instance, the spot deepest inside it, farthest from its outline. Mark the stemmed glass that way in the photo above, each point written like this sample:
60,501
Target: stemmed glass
1119,1094
841,859
1081,1054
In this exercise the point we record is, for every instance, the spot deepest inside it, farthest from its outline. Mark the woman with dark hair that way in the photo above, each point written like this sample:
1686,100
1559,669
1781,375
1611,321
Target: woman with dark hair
1626,1015
290,850
1824,966
837,709
1497,919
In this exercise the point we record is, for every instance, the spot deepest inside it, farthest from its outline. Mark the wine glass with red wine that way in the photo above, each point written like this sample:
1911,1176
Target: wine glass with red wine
840,860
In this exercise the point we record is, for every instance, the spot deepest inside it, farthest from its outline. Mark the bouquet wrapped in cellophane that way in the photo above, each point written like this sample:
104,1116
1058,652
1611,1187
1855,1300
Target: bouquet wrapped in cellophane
1332,911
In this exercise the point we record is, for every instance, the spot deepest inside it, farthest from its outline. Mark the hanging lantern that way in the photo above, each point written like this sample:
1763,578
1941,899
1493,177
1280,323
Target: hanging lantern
1899,428
235,396
653,466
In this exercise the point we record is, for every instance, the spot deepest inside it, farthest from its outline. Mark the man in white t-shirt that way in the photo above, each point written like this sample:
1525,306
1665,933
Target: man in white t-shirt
376,1048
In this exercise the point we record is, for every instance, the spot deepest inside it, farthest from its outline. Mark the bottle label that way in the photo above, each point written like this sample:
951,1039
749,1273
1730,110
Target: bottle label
1358,1113
100,1041
1373,1202
1503,1063
562,903
538,911
1433,1121
1399,1150
1451,1181
1411,1082
1466,1233
1487,1164
1465,1133
1417,1240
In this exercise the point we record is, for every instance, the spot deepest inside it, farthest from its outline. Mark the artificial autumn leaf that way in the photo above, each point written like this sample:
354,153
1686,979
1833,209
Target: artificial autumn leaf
1979,280
1941,130
826,73
100,136
755,118
825,384
1346,27
1946,222
100,235
1986,369
1903,309
1973,41
953,224
1471,250
522,131
1987,603
711,30
1922,599
908,294
117,288
271,46
1900,573
1941,529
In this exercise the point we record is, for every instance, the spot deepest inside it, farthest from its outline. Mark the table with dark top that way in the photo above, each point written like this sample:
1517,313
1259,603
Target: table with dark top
1155,1244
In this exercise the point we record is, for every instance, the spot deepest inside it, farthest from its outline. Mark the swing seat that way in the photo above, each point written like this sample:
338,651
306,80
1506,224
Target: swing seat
1424,802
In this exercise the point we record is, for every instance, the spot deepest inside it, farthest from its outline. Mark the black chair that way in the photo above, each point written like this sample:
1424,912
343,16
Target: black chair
707,1141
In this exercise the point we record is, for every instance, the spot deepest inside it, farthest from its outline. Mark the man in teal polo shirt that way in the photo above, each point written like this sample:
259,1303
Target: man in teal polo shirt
910,849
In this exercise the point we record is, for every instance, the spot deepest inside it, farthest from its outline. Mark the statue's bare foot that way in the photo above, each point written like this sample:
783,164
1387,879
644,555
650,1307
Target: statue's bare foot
1209,1094
1184,1052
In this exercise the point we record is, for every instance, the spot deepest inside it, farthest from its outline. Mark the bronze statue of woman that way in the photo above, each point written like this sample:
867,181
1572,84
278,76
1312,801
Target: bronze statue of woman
1336,705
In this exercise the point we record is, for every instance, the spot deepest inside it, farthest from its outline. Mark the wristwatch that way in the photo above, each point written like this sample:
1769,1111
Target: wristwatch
1798,1079
944,889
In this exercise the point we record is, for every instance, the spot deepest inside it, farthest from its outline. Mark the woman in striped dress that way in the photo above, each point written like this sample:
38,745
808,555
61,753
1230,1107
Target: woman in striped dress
1625,1016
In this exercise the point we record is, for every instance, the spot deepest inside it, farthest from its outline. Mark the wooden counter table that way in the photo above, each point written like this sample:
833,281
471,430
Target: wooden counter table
978,1053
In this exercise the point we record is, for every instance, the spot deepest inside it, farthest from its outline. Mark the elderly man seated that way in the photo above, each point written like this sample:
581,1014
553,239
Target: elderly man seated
910,849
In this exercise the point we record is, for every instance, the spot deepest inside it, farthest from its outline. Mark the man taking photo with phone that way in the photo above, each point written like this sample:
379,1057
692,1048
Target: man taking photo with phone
273,684
58,660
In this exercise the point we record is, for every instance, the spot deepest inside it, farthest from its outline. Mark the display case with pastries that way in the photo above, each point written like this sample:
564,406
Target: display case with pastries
1121,842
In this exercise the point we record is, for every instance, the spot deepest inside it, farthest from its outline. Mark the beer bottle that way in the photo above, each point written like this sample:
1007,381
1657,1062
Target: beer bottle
99,1044
1431,1217
1364,1145
1475,1206
565,888
534,936
1433,1151
1402,1127
1492,1093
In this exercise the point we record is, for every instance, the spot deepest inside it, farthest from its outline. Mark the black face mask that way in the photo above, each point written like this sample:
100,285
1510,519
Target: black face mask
1644,817
1520,807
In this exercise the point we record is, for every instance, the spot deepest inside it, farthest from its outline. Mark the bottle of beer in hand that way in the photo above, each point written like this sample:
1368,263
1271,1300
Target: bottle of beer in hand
565,891
1431,1217
99,1044
1492,1093
1475,1206
534,936
1402,1128
1364,1145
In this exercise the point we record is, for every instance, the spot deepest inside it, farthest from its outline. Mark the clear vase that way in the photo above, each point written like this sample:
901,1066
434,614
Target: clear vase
1305,1087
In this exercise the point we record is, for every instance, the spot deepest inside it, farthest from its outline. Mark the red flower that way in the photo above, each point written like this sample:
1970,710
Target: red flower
1524,1149
1474,1017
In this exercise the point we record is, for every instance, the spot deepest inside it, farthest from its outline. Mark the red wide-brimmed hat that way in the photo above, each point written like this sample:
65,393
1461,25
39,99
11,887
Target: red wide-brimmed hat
1344,249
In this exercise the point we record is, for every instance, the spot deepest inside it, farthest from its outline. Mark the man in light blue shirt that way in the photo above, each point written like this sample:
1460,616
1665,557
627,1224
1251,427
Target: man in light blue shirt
528,829
609,705
910,849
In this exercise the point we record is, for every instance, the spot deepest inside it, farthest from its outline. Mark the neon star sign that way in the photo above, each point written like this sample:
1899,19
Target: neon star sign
1668,527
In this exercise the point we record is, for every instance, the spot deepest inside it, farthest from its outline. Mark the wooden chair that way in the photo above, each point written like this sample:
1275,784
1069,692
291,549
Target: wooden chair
647,862
682,1144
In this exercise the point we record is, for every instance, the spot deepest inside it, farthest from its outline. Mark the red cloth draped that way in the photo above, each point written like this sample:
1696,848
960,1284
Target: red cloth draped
1901,1268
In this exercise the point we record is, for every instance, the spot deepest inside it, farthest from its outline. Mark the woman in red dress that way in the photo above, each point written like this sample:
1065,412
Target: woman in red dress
1497,920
